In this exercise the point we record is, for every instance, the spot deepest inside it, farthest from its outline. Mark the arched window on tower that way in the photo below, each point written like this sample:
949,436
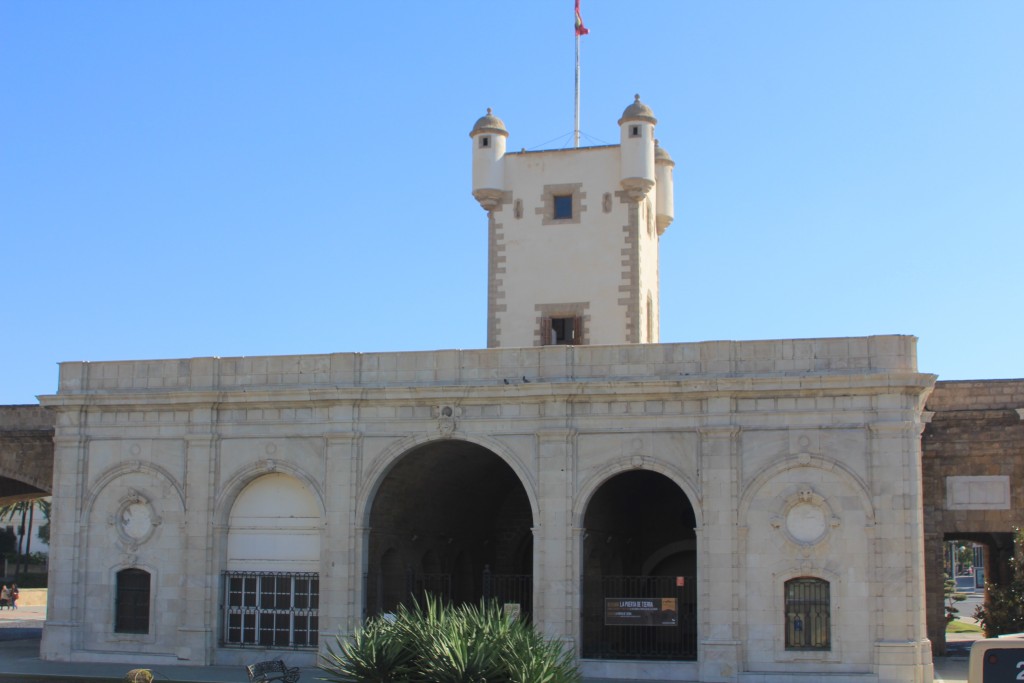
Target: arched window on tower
131,608
808,614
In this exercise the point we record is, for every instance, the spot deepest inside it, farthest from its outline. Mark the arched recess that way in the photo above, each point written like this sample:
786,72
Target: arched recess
639,569
274,526
234,485
134,516
118,471
452,518
271,581
771,472
805,518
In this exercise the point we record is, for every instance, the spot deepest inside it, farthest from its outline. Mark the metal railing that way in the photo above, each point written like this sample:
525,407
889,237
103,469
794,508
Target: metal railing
639,636
385,591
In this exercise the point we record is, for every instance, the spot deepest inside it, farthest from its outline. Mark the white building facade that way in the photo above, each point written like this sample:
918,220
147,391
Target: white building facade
721,511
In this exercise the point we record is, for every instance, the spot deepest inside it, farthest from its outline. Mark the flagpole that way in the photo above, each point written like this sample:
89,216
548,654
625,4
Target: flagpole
576,128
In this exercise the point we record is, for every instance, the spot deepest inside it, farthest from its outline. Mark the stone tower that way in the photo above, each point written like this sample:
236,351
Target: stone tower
573,235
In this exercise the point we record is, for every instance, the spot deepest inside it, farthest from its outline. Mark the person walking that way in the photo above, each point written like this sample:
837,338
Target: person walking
14,596
5,597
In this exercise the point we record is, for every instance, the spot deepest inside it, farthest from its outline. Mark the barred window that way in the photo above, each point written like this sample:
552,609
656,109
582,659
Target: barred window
808,613
131,602
271,609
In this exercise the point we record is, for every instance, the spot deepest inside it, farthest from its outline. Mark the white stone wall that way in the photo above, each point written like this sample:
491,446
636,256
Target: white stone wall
604,259
153,458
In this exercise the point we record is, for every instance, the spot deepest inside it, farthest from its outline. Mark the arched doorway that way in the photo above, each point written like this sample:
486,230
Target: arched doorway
640,570
451,519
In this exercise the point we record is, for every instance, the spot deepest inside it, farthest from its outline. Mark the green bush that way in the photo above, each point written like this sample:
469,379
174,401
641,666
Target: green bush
1003,611
443,644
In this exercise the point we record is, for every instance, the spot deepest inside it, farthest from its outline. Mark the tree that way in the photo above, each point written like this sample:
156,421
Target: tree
952,597
1003,611
45,505
23,513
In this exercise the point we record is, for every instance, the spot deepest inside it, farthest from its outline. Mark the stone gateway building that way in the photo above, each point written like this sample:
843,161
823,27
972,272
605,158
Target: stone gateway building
720,511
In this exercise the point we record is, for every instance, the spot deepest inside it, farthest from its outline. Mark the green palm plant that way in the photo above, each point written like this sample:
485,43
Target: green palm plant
377,653
438,643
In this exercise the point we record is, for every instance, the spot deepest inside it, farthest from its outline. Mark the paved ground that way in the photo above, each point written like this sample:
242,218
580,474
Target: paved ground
21,630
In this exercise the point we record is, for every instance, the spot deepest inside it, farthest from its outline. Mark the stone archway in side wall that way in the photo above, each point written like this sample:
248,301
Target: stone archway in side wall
453,519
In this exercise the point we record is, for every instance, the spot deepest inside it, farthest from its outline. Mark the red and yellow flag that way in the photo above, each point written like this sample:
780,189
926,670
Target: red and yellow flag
581,30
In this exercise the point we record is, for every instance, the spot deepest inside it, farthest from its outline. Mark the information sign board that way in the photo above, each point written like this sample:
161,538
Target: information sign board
641,612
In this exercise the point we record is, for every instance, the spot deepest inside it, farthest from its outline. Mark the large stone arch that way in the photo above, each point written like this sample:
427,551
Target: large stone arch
26,453
591,484
391,455
446,516
640,542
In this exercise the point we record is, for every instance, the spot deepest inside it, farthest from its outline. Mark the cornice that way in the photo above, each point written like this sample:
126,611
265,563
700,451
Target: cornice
684,387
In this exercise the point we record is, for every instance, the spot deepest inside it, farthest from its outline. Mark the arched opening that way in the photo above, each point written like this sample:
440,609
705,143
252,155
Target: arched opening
640,570
451,519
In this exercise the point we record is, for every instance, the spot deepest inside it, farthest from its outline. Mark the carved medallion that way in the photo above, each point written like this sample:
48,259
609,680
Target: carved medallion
806,522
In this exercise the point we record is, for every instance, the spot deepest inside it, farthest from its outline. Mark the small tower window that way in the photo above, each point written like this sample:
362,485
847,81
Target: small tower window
634,132
485,141
562,331
563,206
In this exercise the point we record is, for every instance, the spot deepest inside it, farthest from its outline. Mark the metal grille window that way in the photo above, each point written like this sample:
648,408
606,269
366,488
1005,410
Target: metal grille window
808,613
131,608
271,609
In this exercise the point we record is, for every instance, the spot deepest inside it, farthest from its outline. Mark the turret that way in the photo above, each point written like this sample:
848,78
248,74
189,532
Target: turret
665,210
636,131
488,136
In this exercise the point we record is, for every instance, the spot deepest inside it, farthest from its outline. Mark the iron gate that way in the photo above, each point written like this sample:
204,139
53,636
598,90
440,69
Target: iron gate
603,640
383,594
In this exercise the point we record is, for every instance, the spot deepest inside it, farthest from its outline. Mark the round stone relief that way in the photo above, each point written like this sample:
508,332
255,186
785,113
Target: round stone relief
806,523
136,520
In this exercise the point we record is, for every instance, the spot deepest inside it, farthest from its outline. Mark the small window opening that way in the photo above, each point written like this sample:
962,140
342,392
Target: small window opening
485,141
563,331
808,610
563,206
634,131
131,608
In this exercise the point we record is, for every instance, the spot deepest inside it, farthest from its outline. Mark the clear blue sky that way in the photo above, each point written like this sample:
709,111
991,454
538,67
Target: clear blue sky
183,179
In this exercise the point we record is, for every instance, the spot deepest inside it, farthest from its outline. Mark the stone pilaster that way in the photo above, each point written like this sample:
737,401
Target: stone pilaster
901,641
554,555
65,576
720,655
344,541
197,629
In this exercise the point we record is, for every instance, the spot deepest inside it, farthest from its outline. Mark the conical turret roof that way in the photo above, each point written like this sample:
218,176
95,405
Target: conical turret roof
489,123
661,156
638,111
